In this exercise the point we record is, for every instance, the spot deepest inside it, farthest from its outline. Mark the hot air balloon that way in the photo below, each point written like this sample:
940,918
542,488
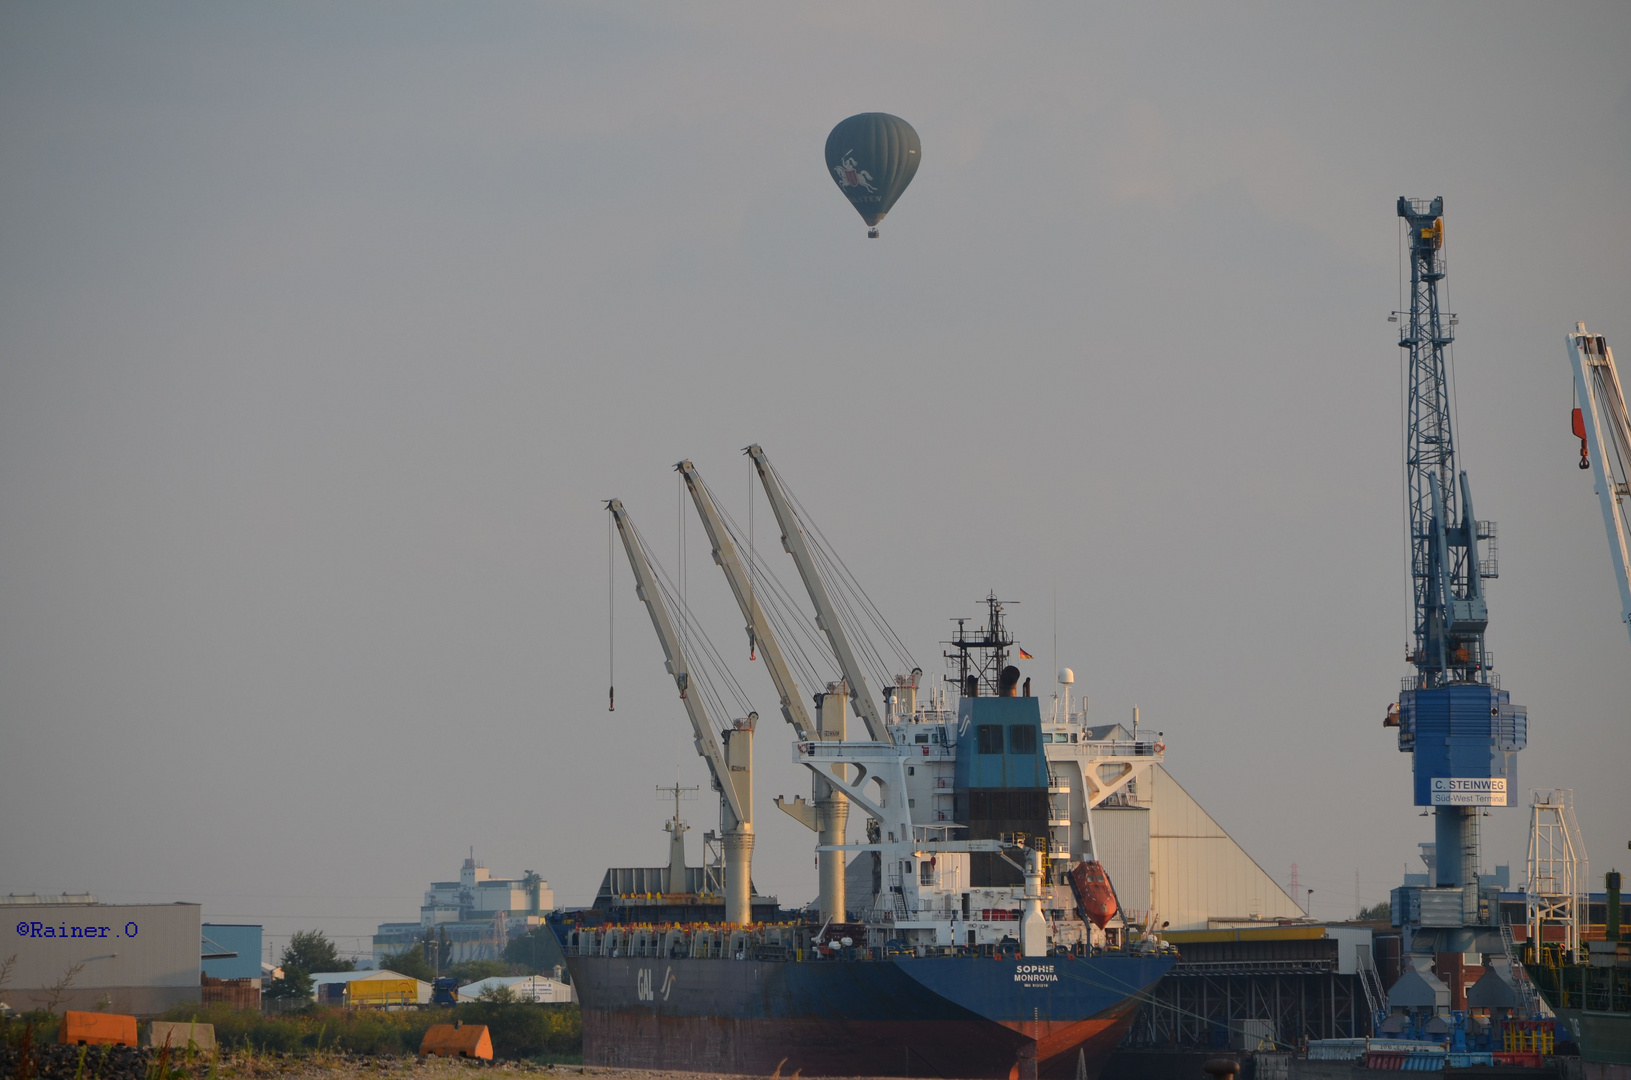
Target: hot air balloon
872,157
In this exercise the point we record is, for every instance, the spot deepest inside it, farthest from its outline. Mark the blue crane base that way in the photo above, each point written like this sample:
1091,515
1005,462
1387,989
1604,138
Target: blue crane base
1465,739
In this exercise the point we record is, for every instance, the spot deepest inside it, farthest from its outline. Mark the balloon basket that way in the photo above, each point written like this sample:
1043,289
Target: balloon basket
872,234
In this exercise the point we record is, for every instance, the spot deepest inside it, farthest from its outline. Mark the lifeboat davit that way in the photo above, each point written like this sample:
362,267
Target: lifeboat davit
1094,893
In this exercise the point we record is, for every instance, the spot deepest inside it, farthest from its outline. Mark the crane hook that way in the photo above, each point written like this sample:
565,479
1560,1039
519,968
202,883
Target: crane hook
1579,425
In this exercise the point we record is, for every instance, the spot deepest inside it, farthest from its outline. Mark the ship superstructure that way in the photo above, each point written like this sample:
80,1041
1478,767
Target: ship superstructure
966,783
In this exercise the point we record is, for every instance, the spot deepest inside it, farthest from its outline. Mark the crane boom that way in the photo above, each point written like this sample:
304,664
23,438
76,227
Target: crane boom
826,614
1605,429
828,811
648,590
725,554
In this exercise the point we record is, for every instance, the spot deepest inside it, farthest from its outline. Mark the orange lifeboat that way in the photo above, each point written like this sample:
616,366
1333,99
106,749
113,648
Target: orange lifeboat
1094,893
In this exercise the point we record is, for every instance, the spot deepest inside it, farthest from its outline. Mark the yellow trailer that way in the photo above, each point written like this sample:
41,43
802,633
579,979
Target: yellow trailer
377,992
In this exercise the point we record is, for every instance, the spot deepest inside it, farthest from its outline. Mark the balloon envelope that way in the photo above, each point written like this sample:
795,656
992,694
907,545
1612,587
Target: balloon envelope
872,157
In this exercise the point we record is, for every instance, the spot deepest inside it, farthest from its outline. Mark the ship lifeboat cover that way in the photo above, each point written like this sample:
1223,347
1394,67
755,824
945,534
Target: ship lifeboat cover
1094,894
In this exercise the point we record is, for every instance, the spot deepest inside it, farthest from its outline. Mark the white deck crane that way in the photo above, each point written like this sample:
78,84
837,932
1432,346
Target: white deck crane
1602,425
828,811
731,766
827,619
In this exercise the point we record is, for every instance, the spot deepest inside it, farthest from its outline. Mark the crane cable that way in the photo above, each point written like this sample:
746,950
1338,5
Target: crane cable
698,647
611,636
839,574
752,630
780,610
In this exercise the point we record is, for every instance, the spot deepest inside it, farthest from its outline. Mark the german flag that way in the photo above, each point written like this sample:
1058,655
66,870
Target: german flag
1023,655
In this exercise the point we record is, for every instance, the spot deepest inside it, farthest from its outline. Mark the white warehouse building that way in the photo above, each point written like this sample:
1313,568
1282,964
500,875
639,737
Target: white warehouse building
74,953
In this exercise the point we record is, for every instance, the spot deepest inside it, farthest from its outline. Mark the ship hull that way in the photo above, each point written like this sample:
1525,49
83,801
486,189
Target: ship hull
908,1016
1602,1037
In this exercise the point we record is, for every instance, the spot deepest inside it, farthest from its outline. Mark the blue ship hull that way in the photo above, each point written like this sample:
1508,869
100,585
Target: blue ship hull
903,1016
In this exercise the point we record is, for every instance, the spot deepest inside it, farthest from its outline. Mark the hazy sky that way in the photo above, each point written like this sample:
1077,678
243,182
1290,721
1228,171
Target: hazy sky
325,329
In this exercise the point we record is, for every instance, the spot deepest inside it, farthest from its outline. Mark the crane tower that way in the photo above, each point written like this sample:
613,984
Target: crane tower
1461,729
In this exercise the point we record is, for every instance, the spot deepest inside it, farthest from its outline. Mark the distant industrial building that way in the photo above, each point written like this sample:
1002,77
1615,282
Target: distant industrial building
232,951
232,965
74,953
476,915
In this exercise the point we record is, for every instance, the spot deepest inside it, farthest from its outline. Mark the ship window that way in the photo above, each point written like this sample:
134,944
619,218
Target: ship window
1073,736
1022,740
922,737
990,738
925,873
911,770
1047,737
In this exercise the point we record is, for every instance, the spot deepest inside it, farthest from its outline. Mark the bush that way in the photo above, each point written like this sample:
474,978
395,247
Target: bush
44,1027
518,1029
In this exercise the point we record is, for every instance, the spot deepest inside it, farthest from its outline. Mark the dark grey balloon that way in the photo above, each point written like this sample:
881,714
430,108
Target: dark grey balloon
872,157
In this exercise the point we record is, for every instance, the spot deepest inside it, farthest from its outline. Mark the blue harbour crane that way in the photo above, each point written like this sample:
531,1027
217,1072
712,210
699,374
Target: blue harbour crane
1460,727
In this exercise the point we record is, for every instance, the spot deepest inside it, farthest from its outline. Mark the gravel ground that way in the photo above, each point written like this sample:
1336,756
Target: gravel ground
448,1069
52,1062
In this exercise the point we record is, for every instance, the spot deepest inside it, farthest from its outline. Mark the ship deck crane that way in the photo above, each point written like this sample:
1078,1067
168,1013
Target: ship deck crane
1604,430
730,766
793,539
828,811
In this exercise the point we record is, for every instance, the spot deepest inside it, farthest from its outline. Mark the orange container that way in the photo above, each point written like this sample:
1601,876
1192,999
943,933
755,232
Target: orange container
96,1029
458,1040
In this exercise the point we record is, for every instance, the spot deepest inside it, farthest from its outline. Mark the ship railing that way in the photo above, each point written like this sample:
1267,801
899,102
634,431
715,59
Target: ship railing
699,942
840,749
1150,748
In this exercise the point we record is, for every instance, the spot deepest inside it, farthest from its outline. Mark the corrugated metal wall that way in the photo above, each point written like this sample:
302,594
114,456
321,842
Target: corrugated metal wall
1197,871
1123,838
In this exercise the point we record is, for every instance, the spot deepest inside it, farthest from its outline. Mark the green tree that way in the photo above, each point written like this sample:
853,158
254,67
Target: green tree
1381,911
295,984
311,951
410,962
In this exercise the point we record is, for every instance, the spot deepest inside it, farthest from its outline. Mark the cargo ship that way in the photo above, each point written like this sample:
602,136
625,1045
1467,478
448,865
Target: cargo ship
982,956
972,933
1591,995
